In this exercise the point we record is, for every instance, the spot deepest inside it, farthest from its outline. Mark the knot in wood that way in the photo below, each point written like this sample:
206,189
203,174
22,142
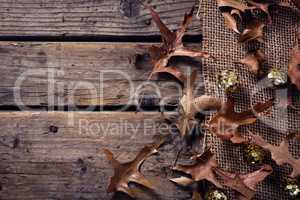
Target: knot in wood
129,8
53,129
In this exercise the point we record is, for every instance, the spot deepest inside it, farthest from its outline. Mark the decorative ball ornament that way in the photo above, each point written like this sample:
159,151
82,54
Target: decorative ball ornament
277,78
215,194
254,154
293,188
227,80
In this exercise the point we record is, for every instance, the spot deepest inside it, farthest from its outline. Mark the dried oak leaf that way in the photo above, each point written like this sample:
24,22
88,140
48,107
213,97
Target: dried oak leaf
263,5
191,106
229,8
172,46
244,185
234,4
280,154
236,8
254,60
294,135
203,169
226,122
294,68
124,173
230,21
253,31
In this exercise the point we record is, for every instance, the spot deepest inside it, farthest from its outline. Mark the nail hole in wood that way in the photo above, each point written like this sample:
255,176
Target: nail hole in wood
53,129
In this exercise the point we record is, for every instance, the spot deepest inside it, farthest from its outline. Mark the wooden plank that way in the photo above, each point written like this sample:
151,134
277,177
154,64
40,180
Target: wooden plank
59,155
89,17
82,74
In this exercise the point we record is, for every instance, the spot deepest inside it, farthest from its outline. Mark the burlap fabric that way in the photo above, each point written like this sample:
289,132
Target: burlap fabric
280,37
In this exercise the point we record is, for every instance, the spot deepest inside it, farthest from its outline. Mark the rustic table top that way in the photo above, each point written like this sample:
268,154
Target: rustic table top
65,66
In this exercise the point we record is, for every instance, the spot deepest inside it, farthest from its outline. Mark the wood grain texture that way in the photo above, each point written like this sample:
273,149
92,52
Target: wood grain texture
89,17
35,74
59,155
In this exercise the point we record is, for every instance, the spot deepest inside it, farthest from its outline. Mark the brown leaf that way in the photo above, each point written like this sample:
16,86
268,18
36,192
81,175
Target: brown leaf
236,7
167,35
263,6
244,185
253,31
130,171
294,68
191,106
230,22
236,4
280,154
294,135
254,61
226,122
236,12
172,46
203,169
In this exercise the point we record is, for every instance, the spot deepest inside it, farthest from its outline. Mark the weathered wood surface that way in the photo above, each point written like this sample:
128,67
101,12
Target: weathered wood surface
39,73
59,155
89,17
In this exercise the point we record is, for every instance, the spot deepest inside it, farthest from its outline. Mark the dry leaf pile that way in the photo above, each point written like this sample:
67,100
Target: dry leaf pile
235,11
172,46
225,123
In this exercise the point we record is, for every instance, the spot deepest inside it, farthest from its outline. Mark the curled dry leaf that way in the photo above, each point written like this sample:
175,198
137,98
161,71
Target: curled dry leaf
202,169
172,46
226,122
130,171
236,7
253,31
244,185
230,22
191,106
280,154
294,68
294,135
235,4
263,5
254,60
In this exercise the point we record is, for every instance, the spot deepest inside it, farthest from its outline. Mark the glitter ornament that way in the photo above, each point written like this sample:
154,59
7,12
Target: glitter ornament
215,195
254,154
293,188
227,80
277,78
